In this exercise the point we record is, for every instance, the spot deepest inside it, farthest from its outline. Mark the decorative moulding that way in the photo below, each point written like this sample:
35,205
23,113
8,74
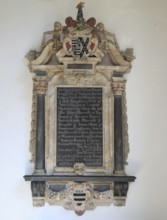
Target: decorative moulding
79,136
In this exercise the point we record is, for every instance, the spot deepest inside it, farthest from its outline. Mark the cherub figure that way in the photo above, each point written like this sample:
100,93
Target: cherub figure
56,33
103,36
48,46
108,43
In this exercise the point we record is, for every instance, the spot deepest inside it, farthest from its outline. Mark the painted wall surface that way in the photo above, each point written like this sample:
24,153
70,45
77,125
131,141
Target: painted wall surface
138,24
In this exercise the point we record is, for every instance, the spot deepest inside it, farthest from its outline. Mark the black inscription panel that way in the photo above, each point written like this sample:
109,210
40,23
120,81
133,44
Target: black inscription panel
79,127
79,66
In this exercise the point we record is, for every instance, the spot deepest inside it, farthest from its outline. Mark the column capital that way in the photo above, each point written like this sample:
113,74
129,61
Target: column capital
40,86
118,85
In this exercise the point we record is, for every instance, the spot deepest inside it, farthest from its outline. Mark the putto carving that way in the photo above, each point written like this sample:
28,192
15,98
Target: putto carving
56,34
80,39
47,48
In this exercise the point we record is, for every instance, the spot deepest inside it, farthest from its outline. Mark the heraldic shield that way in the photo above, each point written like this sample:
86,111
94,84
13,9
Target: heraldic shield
80,47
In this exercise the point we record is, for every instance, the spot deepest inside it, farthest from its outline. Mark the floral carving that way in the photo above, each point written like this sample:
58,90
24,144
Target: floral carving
79,168
118,87
40,87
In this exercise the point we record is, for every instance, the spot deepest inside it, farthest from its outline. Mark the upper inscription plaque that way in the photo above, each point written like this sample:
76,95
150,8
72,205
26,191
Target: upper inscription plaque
79,126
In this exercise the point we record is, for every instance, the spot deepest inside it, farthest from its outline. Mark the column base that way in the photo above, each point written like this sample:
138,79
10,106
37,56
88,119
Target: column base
39,172
120,173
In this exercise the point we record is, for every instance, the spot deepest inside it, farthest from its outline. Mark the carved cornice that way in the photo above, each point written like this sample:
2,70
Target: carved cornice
60,68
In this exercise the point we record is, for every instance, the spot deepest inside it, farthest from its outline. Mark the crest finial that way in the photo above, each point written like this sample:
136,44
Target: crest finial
80,12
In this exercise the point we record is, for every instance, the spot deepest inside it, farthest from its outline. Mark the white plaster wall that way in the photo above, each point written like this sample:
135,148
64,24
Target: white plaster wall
138,24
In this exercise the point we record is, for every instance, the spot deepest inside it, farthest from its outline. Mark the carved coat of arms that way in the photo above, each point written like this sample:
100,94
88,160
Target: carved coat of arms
80,39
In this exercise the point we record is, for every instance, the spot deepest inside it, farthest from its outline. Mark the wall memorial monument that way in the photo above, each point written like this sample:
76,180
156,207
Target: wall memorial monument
79,137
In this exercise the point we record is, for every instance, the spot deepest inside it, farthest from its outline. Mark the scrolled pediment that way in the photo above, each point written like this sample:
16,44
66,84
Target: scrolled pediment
80,40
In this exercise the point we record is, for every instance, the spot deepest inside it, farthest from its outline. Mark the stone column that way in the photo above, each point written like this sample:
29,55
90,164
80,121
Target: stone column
118,87
40,88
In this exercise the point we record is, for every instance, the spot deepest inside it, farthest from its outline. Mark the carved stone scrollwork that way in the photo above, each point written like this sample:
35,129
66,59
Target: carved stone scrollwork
78,196
38,193
103,195
79,168
120,193
82,197
120,189
76,79
38,189
54,195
